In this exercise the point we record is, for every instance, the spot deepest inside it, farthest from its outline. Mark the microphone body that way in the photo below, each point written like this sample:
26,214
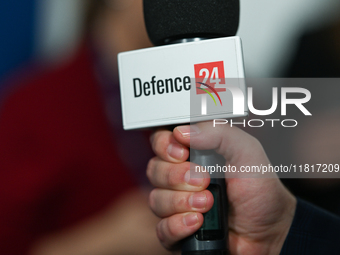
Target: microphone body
170,84
212,237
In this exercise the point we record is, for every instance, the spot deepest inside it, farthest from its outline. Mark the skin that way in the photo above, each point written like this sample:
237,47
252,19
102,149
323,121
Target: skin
261,209
110,232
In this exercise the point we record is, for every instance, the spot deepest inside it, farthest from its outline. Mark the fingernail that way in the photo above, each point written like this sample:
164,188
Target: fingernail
152,136
190,219
197,181
189,131
198,200
175,151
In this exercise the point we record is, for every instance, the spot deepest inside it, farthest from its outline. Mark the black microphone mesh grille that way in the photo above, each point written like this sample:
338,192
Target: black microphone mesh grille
178,19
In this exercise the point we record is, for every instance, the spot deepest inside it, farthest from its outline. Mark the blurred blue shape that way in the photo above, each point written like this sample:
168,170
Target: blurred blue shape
17,25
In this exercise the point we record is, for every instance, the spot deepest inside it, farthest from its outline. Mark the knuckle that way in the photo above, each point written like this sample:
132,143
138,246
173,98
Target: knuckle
188,165
254,141
158,142
176,174
160,232
155,147
256,144
152,137
150,168
172,229
171,178
179,201
152,199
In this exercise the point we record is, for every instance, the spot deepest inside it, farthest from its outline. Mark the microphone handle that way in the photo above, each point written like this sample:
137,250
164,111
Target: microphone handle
212,237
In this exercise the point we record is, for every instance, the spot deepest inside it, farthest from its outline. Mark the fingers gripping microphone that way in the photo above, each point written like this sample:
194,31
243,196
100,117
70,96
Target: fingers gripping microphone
178,21
163,86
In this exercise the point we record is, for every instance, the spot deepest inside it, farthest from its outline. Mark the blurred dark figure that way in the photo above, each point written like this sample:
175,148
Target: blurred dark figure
317,140
70,176
317,55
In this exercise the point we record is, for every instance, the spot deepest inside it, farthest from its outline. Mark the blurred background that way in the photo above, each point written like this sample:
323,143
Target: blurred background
51,29
281,38
37,29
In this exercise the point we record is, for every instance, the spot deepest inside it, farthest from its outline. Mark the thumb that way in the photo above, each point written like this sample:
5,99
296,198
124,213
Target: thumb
236,146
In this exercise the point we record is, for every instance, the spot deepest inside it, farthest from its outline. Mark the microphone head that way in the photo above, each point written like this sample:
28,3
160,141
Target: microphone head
168,20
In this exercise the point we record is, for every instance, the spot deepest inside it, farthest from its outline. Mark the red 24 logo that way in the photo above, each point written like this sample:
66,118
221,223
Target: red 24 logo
208,75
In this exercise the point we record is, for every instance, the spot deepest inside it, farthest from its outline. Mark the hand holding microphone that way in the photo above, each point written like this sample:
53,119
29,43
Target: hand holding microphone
156,91
261,209
169,85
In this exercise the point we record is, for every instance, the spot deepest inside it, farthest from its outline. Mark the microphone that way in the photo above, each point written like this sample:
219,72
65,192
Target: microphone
170,21
194,74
